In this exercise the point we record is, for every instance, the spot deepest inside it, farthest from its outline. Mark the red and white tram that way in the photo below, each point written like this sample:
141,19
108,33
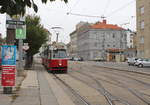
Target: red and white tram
54,58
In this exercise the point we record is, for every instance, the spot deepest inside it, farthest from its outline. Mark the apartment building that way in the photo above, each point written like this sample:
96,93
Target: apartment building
73,44
143,28
101,40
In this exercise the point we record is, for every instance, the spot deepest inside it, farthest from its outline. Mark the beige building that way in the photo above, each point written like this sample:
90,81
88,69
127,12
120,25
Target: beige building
143,28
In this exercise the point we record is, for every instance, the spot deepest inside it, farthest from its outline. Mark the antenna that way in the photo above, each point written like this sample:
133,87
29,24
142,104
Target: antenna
103,17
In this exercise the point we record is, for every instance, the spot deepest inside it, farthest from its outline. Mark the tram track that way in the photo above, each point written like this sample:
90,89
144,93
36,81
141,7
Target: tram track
135,93
78,96
129,76
118,69
109,97
120,74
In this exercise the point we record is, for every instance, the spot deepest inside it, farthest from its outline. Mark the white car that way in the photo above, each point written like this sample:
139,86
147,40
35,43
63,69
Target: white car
131,61
143,63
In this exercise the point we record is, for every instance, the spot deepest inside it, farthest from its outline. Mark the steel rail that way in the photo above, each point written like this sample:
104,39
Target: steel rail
72,90
132,91
146,84
110,98
116,69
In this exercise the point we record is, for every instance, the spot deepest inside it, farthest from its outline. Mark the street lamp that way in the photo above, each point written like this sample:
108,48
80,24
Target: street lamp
57,31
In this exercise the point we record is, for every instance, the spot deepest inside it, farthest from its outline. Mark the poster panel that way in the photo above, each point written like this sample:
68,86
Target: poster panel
8,55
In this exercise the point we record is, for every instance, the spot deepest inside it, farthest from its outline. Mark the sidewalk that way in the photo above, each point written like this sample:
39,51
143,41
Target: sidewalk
7,99
29,91
25,93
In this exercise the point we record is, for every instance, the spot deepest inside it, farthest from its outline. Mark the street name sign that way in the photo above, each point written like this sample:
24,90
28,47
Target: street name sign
14,22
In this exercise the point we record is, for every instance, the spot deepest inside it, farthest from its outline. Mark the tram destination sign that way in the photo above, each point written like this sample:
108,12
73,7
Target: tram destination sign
14,22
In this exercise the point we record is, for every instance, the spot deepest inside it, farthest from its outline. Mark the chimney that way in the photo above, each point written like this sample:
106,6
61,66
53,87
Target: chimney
104,21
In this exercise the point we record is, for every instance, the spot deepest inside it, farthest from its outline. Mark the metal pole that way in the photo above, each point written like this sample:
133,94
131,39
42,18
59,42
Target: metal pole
57,36
20,53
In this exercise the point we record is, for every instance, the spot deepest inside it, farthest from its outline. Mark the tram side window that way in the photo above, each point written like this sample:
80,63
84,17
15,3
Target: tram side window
59,54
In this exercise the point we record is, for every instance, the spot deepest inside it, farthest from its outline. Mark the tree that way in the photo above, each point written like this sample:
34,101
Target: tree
36,36
17,7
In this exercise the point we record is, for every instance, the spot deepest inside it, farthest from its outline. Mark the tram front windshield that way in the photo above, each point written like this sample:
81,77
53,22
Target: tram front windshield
59,54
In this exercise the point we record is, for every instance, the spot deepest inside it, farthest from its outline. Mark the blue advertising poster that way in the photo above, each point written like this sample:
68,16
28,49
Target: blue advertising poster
8,55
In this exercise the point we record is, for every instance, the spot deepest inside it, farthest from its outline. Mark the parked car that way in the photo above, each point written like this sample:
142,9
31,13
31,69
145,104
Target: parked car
99,59
76,59
138,61
143,63
131,61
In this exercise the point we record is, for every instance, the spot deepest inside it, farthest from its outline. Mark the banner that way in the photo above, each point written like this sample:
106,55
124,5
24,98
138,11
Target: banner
8,55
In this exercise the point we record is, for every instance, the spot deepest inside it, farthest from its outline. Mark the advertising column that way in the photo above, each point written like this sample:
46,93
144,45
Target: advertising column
8,68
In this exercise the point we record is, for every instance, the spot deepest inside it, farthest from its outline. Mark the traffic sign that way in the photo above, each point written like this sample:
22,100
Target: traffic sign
20,33
25,47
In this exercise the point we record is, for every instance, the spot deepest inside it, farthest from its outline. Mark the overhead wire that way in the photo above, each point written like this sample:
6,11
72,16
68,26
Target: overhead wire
74,5
107,5
117,10
65,38
83,15
102,16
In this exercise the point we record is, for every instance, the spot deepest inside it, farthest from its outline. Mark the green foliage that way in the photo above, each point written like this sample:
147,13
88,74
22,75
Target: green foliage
15,7
36,34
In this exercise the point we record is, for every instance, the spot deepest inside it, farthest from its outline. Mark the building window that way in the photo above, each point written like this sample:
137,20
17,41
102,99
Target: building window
95,54
114,46
142,24
142,10
125,35
108,45
113,35
141,39
95,44
141,53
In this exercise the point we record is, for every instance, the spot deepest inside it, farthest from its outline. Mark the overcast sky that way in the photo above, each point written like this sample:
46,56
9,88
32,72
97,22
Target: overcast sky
55,14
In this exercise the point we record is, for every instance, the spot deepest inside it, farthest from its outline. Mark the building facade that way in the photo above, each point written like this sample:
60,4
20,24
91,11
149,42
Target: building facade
101,41
143,28
130,38
73,44
131,50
